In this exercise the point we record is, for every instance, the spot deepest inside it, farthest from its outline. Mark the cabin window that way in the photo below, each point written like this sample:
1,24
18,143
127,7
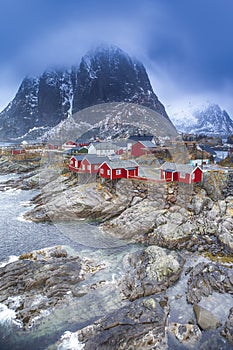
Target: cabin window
83,167
193,176
118,172
108,172
182,175
96,167
89,167
101,171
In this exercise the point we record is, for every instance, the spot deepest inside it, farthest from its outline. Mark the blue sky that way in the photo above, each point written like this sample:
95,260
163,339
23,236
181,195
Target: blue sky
185,45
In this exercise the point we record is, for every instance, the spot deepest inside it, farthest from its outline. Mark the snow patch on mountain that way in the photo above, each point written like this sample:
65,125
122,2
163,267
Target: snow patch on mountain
206,118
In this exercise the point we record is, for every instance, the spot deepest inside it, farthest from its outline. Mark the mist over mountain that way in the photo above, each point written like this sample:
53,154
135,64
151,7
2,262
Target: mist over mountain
208,119
105,74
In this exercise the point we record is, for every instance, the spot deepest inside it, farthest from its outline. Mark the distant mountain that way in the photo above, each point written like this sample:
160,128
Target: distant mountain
209,119
106,74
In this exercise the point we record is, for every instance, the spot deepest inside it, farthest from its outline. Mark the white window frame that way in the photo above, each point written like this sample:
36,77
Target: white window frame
118,172
108,172
182,175
101,171
89,167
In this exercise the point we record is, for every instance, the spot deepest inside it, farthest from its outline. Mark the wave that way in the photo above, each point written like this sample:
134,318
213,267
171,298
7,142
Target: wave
12,258
8,317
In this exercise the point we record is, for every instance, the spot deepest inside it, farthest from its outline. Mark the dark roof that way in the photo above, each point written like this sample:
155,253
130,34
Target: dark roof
208,149
94,159
83,141
141,137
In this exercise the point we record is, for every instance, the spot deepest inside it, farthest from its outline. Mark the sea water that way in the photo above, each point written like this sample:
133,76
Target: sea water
18,236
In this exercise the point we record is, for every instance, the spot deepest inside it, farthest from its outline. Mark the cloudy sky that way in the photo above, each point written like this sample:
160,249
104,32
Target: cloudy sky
185,45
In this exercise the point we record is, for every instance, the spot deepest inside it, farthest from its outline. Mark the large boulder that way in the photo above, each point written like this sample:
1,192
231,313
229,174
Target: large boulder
205,319
150,271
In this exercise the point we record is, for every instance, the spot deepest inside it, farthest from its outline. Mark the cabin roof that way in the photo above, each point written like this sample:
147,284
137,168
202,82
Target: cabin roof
141,137
79,157
172,167
147,144
104,146
207,149
94,159
122,164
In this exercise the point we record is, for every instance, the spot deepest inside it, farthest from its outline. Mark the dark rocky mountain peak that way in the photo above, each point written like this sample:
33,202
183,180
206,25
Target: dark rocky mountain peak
105,74
108,74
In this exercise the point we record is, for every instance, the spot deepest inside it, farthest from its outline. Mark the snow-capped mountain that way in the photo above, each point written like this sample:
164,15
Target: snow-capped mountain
208,119
106,74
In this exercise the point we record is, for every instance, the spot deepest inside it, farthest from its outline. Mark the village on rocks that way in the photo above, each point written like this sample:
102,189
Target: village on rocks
176,205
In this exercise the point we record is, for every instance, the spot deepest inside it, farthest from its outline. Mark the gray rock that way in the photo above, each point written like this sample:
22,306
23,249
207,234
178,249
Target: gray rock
228,327
150,271
187,334
205,319
42,280
140,325
205,278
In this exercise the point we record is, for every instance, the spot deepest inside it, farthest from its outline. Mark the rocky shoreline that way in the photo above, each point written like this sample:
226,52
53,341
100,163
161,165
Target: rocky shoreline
173,223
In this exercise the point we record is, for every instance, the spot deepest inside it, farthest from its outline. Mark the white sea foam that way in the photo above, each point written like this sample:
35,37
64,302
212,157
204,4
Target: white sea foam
22,218
26,204
43,313
8,317
12,258
70,342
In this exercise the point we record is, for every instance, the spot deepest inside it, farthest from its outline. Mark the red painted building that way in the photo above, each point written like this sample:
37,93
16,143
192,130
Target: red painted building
69,144
16,151
75,163
90,163
181,172
118,169
141,148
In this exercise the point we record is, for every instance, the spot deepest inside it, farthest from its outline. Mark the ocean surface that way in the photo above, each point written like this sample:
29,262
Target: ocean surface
18,236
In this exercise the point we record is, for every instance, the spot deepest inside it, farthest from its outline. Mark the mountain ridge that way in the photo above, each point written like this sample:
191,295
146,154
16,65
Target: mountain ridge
104,75
208,119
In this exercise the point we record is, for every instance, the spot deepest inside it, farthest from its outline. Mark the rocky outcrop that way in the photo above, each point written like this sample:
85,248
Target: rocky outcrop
228,327
150,271
41,281
66,199
205,278
187,334
8,166
141,325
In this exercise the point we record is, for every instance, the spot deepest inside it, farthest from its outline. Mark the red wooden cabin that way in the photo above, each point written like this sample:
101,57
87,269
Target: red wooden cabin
118,169
90,163
181,172
141,148
16,151
75,163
